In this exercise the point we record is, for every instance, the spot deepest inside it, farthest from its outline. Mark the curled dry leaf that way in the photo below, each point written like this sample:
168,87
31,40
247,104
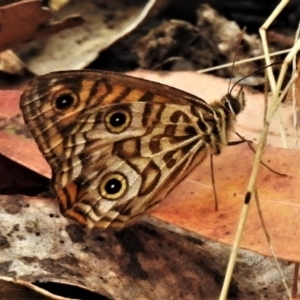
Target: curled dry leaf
106,22
212,41
136,263
10,63
25,20
15,289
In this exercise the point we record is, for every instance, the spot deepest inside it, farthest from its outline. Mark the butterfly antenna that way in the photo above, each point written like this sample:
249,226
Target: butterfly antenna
255,72
235,57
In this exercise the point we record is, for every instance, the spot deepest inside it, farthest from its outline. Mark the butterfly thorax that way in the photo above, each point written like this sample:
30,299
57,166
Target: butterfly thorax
225,113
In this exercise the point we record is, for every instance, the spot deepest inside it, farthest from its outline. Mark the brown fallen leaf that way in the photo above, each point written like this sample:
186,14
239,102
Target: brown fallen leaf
25,20
211,40
141,262
191,204
15,141
105,23
11,64
15,289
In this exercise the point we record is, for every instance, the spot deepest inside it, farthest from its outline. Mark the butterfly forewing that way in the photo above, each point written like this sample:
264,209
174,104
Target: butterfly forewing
117,144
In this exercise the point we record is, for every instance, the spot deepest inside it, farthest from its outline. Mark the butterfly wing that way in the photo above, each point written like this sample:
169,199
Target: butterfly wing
116,144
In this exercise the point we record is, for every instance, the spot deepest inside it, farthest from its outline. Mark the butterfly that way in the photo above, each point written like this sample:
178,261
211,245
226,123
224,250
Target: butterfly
117,145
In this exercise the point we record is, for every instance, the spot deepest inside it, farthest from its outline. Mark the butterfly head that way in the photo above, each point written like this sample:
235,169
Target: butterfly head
231,106
234,104
225,112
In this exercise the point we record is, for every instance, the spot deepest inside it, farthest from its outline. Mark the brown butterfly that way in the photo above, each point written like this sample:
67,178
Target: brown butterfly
117,144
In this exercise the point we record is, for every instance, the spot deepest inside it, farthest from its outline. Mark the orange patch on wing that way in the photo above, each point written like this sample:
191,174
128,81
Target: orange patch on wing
78,217
67,196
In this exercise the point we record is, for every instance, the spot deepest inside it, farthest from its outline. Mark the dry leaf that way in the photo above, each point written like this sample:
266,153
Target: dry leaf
10,63
212,41
106,22
25,20
15,141
137,263
15,289
57,4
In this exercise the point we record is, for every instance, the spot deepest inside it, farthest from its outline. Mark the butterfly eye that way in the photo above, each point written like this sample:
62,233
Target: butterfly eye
113,186
64,101
117,121
233,105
